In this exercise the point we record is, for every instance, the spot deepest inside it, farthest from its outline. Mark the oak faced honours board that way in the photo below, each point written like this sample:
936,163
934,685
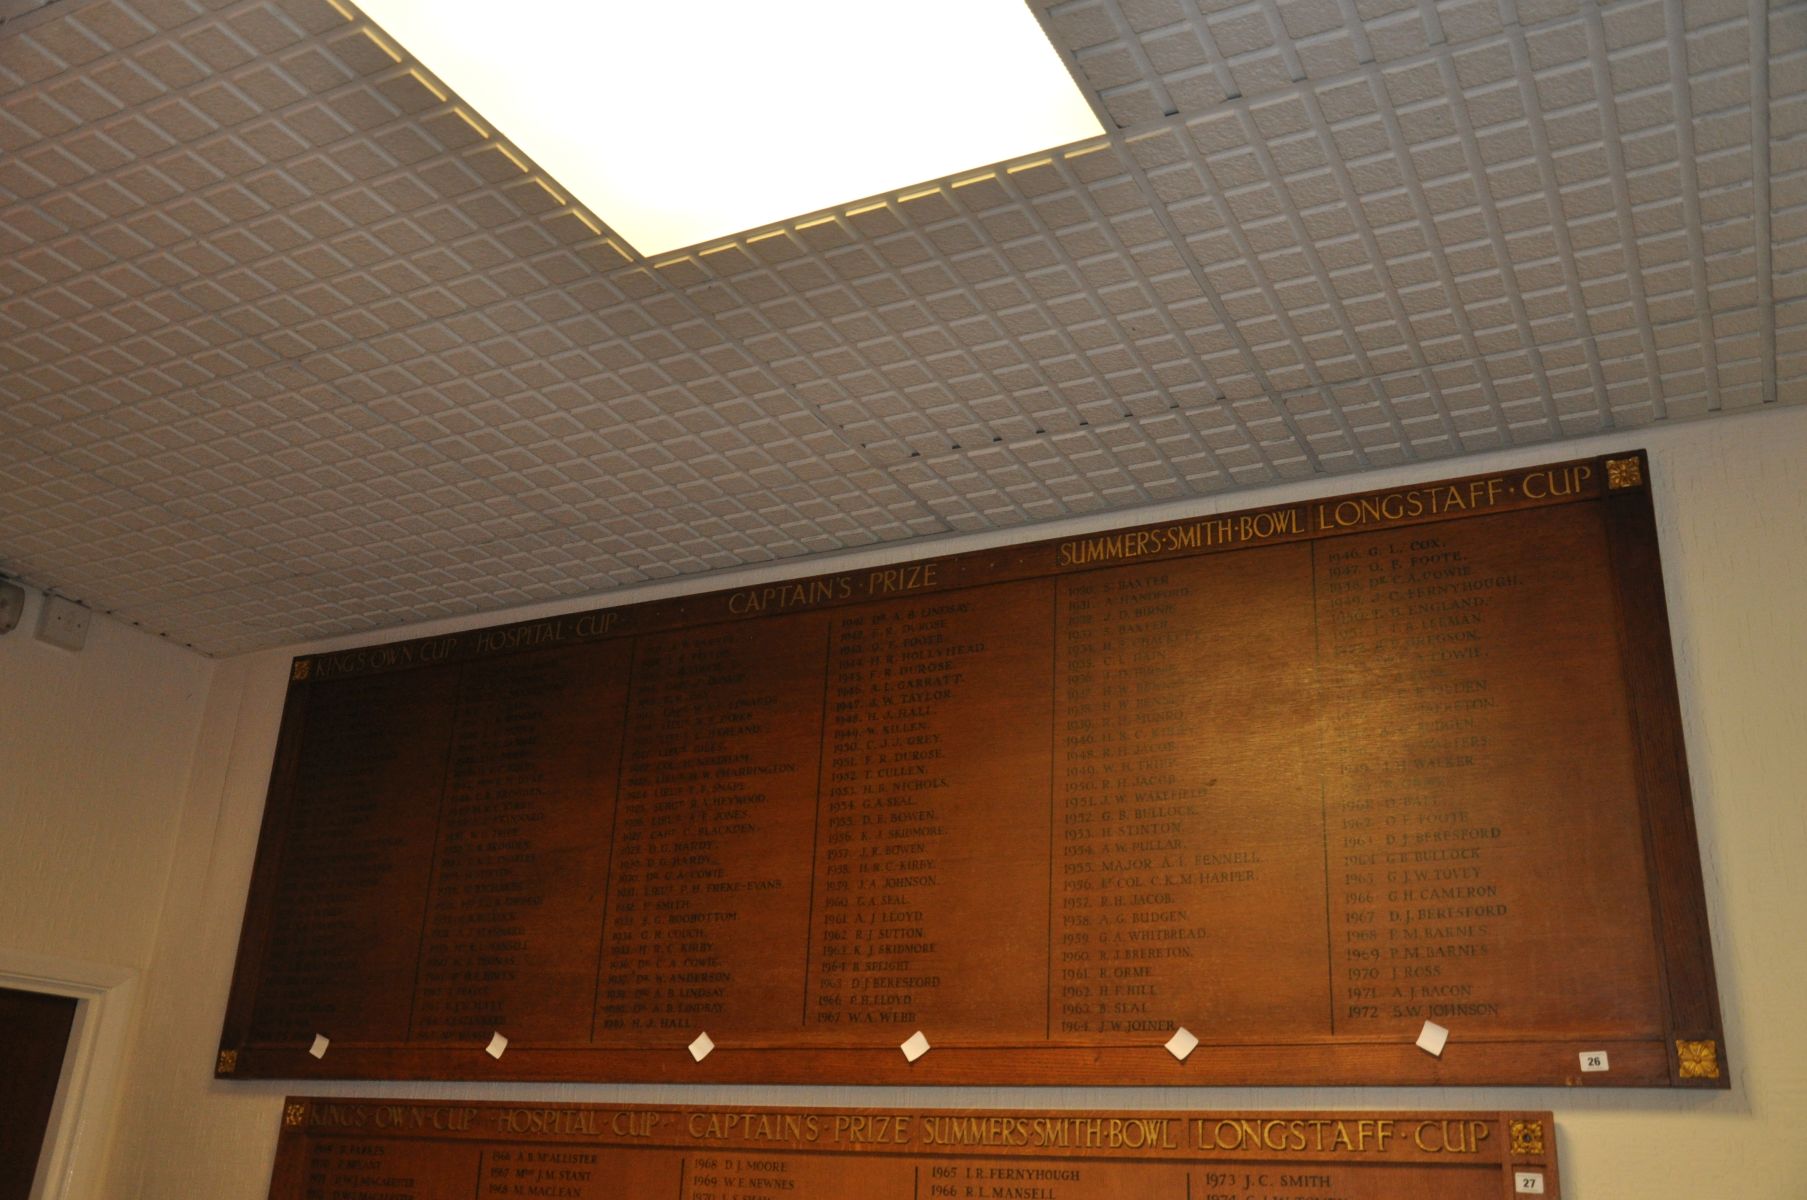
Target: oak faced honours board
349,1149
1298,780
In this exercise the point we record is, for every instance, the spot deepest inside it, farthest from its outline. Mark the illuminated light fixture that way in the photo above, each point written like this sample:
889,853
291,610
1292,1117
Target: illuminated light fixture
681,122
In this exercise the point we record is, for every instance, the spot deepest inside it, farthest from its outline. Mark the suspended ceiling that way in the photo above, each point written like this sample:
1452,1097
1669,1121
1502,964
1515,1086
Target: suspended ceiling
292,345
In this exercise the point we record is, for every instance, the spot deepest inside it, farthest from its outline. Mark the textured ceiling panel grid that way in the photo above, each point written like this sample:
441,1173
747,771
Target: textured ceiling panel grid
292,345
1004,308
1518,254
434,315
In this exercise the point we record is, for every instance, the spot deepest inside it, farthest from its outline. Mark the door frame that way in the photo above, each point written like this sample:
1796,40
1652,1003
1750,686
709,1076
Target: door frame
78,1137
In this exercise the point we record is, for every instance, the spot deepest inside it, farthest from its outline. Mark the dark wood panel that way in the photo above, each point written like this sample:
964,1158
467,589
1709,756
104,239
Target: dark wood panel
1297,779
1191,880
1467,695
334,1149
521,861
711,884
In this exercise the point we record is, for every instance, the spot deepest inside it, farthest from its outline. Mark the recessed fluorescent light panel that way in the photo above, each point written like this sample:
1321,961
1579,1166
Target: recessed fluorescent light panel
682,121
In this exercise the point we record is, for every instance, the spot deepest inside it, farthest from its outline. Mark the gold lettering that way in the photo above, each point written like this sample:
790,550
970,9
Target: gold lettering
1225,1135
1383,1133
860,1129
1259,526
1135,1134
1411,504
1317,1134
1171,539
516,637
910,577
1557,481
638,1124
1451,1137
596,624
354,1116
780,596
448,1119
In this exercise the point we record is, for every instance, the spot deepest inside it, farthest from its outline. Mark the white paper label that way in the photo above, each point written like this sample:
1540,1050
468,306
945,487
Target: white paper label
1594,1060
700,1048
1432,1038
1182,1043
321,1042
497,1044
916,1047
1528,1183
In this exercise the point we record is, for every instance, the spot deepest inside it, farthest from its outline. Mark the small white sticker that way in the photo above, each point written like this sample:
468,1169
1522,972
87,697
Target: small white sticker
916,1047
1594,1060
700,1048
497,1044
1431,1039
1182,1043
1528,1183
321,1042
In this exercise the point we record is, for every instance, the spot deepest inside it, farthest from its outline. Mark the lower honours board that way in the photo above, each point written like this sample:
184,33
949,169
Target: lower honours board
334,1149
1298,779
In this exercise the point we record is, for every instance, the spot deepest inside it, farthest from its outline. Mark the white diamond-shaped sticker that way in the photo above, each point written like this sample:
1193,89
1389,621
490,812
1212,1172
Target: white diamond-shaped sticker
700,1048
1182,1043
321,1042
497,1044
916,1047
1432,1038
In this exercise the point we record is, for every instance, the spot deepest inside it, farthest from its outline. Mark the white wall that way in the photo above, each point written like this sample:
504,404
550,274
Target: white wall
1732,509
95,754
95,747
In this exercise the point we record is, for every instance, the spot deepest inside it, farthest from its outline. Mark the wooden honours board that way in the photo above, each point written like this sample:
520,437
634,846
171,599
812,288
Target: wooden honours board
414,1150
1297,779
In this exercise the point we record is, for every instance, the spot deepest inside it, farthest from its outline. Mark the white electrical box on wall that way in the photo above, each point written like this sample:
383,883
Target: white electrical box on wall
63,623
